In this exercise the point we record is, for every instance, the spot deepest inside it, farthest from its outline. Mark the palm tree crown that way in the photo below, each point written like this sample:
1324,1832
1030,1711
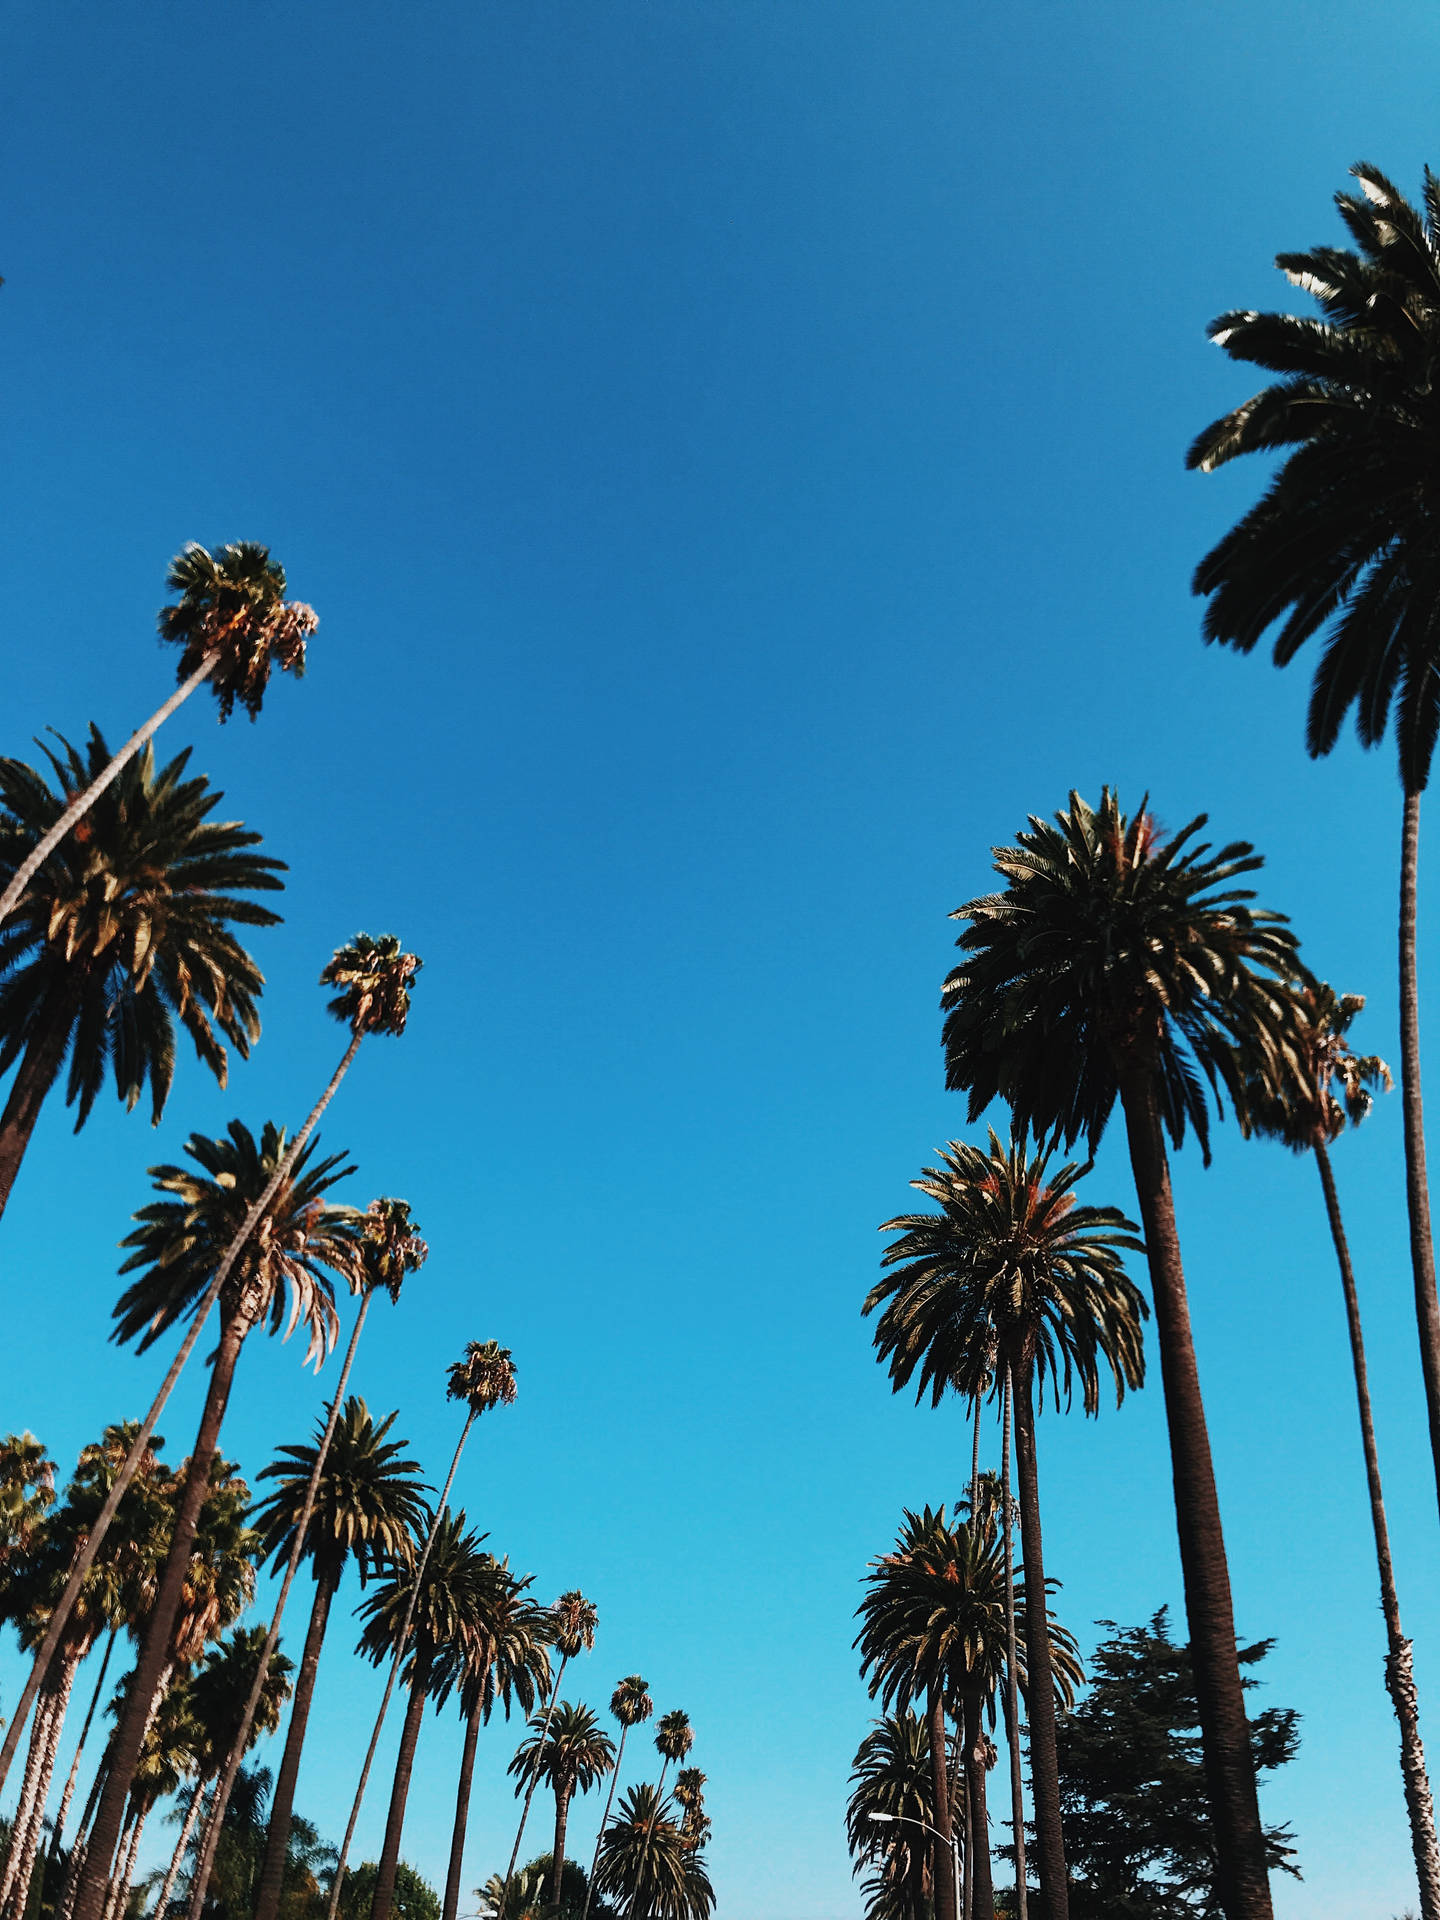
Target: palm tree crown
443,1607
674,1736
646,1861
891,1777
1333,1085
375,978
232,605
483,1378
390,1246
573,1623
369,1500
570,1755
630,1702
1111,948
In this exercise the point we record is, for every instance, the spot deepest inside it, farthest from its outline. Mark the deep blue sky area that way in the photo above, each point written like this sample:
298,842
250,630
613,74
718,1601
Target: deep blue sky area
735,449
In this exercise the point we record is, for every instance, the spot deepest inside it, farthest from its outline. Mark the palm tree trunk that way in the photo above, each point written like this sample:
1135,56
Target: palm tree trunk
177,1859
1417,1185
19,1898
120,1897
978,1852
401,1644
25,1806
155,1653
1399,1674
404,1765
534,1779
604,1822
57,1838
85,1559
462,1807
557,1851
282,1807
34,1077
1040,1667
1242,1880
1012,1664
83,802
241,1743
940,1789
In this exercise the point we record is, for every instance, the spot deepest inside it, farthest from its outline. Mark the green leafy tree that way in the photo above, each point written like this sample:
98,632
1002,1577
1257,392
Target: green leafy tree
413,1897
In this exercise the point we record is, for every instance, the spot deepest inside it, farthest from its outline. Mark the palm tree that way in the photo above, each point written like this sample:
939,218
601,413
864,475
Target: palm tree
1012,1267
233,624
176,1246
503,1657
390,1248
892,1798
632,1706
1119,963
571,1752
1342,544
375,978
646,1862
689,1792
27,1492
412,1615
573,1621
673,1740
1311,1111
483,1378
367,1501
122,937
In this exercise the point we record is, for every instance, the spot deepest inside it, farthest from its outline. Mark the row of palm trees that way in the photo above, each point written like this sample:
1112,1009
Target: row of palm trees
1117,965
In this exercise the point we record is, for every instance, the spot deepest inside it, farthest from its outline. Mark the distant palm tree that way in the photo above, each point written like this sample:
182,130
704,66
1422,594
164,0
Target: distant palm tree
892,1799
573,1621
233,624
1117,963
482,1379
375,979
1343,543
572,1753
368,1500
632,1706
646,1864
673,1740
1334,1086
390,1248
689,1792
1012,1267
175,1249
124,936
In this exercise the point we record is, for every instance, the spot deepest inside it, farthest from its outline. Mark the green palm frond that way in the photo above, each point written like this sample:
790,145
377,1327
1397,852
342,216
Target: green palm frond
232,607
375,978
369,1500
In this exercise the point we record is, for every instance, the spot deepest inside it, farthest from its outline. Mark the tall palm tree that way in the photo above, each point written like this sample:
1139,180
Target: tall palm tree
414,1613
689,1792
673,1740
122,937
571,1752
1012,1267
481,1379
891,1801
1307,1115
503,1657
646,1863
631,1706
1343,544
175,1249
390,1248
573,1621
375,978
1118,963
233,624
367,1501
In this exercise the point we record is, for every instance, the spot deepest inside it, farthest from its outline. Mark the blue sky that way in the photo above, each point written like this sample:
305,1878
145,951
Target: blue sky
736,453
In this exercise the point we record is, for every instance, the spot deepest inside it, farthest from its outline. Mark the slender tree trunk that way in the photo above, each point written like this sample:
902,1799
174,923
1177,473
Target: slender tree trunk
83,801
241,1743
1242,1879
75,1865
55,1721
121,1896
400,1648
1012,1667
1417,1185
155,1653
25,1806
462,1808
282,1807
57,1839
36,1074
604,1822
404,1765
1399,1674
177,1859
1040,1667
940,1789
534,1779
967,1891
85,1558
557,1852
983,1888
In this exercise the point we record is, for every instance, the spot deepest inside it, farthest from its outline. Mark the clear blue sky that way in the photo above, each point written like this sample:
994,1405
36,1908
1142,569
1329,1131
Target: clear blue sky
735,449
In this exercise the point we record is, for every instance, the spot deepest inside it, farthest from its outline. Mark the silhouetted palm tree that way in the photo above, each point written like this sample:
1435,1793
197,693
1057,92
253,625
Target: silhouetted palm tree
646,1864
570,1751
631,1705
572,1628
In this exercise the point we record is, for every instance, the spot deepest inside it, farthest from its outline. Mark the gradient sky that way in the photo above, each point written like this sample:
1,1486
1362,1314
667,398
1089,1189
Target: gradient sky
735,448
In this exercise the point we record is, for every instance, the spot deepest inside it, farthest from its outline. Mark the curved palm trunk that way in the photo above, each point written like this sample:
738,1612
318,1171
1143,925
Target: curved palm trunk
83,801
241,1743
557,1851
1040,1667
1417,1185
940,1789
400,1648
462,1807
1242,1879
1399,1674
400,1791
177,1859
1012,1664
85,1558
282,1807
155,1654
978,1851
604,1822
534,1779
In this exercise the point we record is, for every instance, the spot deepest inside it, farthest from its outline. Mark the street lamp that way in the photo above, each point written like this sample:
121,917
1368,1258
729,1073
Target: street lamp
906,1820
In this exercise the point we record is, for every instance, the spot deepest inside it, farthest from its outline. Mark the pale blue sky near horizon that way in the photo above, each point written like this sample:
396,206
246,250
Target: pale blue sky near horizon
736,453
